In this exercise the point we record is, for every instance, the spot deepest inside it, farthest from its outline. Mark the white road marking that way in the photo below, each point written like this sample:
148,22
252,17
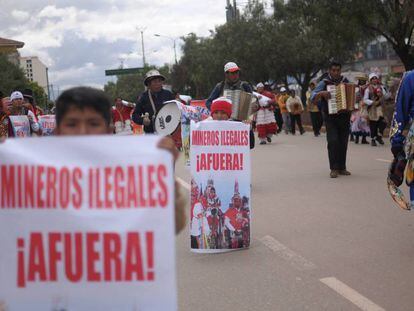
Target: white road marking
183,183
287,254
353,296
384,160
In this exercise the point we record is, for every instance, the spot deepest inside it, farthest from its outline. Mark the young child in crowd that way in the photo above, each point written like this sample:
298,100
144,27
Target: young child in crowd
360,126
221,109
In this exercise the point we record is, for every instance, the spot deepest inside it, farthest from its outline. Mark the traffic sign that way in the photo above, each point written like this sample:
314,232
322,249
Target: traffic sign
124,71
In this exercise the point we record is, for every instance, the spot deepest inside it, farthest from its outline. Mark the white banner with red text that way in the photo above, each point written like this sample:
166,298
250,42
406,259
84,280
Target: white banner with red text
87,224
220,215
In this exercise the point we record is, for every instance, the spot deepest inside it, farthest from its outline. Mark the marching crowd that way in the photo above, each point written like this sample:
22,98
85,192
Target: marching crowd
87,111
277,109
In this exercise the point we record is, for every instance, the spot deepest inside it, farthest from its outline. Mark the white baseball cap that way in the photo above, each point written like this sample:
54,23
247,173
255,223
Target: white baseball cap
259,85
231,67
283,89
372,75
16,95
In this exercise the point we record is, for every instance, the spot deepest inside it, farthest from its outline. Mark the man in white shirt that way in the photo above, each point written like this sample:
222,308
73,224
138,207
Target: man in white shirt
295,107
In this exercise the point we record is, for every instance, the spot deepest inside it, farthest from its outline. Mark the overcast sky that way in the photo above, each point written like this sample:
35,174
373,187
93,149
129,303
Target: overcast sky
79,39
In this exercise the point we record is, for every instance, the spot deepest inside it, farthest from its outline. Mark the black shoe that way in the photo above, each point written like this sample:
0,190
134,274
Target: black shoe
269,140
262,142
351,138
302,132
373,143
357,139
333,174
379,140
364,141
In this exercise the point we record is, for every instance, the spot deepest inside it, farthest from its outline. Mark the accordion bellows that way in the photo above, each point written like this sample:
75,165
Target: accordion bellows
342,97
241,102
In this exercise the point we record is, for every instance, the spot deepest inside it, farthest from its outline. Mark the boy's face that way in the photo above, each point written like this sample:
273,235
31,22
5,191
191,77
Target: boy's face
220,115
82,122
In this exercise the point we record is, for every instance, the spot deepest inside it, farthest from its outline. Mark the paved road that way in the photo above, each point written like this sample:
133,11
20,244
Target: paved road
318,243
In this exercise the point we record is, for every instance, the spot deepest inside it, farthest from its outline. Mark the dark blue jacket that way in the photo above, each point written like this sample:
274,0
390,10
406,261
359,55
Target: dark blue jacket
404,111
144,105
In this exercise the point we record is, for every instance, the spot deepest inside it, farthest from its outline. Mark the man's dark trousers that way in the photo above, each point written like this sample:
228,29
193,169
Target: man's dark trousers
337,134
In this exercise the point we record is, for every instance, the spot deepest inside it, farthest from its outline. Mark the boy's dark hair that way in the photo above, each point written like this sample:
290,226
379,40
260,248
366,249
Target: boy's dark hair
335,64
81,98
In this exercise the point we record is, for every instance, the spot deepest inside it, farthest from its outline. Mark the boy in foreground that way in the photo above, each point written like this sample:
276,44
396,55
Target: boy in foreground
87,111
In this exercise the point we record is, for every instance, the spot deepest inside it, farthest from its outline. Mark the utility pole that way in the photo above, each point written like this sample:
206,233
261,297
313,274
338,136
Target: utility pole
47,82
143,49
141,30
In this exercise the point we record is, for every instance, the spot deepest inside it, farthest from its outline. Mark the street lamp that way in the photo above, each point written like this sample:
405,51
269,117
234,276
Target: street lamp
174,41
141,30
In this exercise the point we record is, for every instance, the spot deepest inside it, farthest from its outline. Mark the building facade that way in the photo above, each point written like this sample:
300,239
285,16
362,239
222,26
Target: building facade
35,71
378,56
9,47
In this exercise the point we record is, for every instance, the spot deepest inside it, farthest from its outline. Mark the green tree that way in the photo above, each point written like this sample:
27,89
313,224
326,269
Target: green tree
130,86
11,76
392,19
39,94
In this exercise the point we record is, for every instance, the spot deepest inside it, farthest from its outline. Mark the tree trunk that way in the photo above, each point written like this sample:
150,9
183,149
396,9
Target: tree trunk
406,57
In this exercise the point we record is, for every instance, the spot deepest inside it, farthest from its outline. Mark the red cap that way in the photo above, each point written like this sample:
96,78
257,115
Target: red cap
221,104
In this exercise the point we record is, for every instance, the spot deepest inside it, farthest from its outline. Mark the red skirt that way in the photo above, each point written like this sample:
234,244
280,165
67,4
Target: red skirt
265,129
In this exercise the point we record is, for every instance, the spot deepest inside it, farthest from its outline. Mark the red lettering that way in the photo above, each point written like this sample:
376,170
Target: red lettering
77,195
54,255
64,184
21,271
92,256
51,178
91,188
40,186
112,251
74,272
151,185
99,203
132,188
228,161
133,258
163,193
119,188
29,186
8,190
142,199
108,186
37,264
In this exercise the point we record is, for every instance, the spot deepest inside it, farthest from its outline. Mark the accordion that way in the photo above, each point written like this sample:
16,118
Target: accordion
241,102
342,97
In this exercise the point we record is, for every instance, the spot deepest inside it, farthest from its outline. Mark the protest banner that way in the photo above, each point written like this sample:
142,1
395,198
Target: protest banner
220,186
47,124
20,125
188,114
87,223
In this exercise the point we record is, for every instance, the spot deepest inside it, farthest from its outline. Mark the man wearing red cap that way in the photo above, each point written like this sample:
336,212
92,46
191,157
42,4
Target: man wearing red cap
231,82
